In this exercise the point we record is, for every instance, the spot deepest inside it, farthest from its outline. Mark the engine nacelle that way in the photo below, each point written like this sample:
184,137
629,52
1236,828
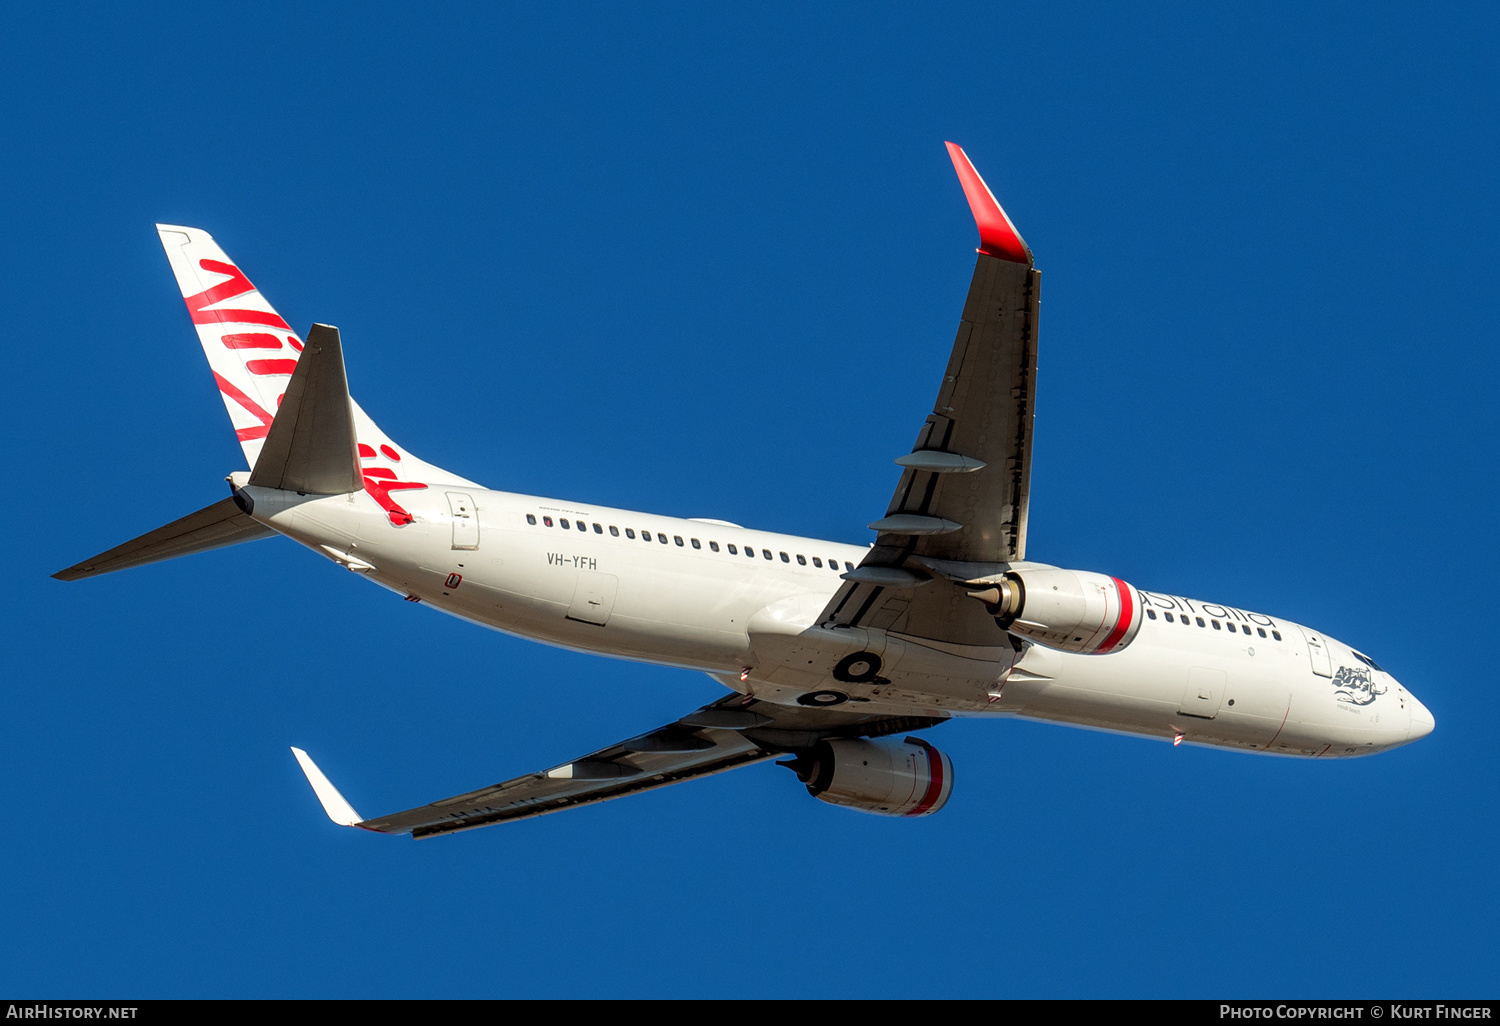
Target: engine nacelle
883,776
1071,610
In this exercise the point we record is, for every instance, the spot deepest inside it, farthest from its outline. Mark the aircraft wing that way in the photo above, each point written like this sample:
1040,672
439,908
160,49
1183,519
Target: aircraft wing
734,731
964,488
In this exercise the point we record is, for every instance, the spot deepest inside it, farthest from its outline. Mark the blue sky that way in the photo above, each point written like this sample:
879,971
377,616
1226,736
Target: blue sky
708,262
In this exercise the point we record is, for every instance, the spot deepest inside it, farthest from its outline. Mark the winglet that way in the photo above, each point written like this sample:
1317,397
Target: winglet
340,811
997,236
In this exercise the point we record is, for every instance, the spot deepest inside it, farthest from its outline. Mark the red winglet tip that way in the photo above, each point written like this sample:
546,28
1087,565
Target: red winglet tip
997,236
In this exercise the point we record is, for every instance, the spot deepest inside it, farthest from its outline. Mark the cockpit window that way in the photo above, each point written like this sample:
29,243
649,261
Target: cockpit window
1372,664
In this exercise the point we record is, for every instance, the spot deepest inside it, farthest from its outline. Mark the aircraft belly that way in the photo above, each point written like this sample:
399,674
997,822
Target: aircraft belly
1165,691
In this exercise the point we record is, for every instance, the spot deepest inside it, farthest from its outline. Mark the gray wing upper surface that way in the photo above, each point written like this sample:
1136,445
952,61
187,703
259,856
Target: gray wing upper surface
963,493
732,732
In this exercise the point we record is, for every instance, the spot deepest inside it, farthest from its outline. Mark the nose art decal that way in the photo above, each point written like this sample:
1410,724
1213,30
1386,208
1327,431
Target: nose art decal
1355,686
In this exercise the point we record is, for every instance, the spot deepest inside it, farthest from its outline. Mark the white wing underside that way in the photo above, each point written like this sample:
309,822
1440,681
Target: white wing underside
732,732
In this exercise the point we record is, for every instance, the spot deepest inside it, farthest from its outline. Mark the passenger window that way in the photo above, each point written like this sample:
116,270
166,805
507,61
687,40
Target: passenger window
733,551
766,553
801,559
564,523
1200,621
1169,617
833,564
1276,635
714,546
598,529
614,531
583,527
630,533
663,538
695,543
531,519
547,521
1151,614
817,562
1261,631
785,558
848,566
1216,625
678,539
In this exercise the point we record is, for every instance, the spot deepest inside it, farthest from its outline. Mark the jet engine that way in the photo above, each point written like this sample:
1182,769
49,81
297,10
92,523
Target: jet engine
1072,610
884,776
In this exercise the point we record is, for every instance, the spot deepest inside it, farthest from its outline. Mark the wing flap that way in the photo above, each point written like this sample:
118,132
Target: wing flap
212,527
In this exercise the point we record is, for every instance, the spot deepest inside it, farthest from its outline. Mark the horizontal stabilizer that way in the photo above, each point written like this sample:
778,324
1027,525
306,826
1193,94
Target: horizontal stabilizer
311,446
219,525
340,811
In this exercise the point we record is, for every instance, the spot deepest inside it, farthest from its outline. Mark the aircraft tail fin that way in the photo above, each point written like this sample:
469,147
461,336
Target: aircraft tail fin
312,445
254,355
214,527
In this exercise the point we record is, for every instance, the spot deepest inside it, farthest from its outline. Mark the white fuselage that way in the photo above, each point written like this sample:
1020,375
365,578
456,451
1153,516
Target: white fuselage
1213,675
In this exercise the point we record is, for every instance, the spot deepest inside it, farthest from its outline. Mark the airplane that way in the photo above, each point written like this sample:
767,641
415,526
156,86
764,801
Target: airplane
835,656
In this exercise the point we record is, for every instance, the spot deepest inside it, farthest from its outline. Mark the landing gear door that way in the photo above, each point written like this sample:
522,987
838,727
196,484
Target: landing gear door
465,521
1317,651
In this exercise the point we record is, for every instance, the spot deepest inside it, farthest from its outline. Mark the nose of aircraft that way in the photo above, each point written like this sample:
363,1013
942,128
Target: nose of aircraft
1421,720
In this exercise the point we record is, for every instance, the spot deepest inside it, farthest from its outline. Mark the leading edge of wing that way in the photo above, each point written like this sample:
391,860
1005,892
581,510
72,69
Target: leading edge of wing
997,234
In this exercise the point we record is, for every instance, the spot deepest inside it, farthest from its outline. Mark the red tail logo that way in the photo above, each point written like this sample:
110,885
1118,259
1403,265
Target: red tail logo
381,481
239,285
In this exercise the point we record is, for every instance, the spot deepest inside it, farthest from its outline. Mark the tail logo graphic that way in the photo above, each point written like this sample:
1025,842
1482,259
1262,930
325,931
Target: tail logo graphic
253,353
204,308
250,406
237,285
381,481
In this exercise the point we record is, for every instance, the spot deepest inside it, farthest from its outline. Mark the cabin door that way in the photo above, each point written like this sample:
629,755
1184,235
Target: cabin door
1317,651
465,521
